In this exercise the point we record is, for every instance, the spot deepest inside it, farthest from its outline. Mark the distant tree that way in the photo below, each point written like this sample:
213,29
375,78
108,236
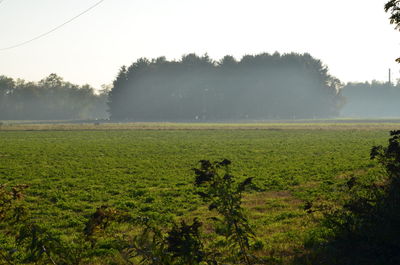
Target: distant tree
7,85
116,97
258,87
52,81
51,98
371,100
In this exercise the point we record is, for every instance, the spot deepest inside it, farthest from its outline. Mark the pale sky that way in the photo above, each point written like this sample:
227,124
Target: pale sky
352,37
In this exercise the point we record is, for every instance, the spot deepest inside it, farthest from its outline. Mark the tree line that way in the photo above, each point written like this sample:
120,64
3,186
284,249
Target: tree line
371,100
197,88
52,98
258,87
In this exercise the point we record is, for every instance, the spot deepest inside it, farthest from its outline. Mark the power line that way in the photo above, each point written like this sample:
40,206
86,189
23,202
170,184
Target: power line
52,30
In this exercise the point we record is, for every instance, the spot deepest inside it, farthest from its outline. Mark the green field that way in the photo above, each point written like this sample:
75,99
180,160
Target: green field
146,170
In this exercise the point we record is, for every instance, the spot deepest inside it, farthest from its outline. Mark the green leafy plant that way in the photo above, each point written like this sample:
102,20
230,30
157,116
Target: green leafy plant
179,245
365,228
143,240
25,242
148,246
184,242
224,195
98,222
38,244
11,207
12,213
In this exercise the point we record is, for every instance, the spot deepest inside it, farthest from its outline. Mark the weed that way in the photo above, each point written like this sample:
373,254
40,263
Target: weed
224,195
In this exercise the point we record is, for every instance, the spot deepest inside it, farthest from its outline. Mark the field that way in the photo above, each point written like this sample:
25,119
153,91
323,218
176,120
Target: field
146,169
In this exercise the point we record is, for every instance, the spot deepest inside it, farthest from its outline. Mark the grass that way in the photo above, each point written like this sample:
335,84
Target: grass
333,124
73,169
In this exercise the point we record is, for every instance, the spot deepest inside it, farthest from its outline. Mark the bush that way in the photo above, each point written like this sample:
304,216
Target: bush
366,228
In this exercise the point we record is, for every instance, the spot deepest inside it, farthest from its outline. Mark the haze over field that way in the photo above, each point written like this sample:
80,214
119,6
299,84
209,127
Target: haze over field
197,61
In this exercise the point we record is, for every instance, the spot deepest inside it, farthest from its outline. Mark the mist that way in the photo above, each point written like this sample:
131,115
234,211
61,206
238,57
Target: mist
197,88
371,100
52,98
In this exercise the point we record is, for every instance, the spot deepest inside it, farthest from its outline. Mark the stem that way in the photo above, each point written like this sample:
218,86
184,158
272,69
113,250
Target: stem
236,225
241,245
45,251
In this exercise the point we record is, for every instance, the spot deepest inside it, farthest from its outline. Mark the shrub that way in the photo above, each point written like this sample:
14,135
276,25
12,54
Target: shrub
366,228
224,195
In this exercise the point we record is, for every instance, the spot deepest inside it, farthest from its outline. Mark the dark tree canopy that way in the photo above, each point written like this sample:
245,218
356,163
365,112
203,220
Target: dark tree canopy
49,99
393,7
257,87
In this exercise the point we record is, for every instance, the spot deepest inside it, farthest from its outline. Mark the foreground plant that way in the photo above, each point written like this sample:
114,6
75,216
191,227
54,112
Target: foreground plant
179,245
224,195
23,241
184,243
143,240
366,228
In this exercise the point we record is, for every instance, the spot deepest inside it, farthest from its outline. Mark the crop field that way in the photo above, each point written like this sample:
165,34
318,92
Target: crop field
147,170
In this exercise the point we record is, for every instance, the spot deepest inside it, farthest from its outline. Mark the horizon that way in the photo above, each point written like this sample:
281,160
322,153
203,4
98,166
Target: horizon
356,45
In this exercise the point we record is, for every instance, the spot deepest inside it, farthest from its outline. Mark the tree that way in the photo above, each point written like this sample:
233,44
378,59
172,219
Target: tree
7,85
197,88
372,100
393,7
52,98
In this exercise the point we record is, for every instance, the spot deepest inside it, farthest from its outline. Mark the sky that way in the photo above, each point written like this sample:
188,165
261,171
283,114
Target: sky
352,37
